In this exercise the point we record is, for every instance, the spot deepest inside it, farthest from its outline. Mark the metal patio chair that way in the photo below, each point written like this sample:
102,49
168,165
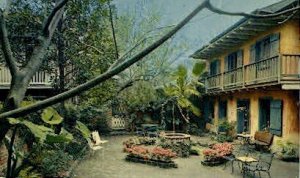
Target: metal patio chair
263,165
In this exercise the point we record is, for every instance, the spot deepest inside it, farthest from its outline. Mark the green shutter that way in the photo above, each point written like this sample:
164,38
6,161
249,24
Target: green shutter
226,64
252,53
212,68
239,58
276,117
274,42
218,66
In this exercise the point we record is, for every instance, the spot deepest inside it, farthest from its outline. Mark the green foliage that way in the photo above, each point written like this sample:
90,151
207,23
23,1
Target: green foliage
195,150
51,116
50,161
55,162
29,172
287,150
227,127
183,88
83,129
224,138
198,68
62,137
39,131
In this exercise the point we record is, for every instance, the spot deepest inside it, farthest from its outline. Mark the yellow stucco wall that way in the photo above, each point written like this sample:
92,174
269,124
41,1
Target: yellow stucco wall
290,112
289,44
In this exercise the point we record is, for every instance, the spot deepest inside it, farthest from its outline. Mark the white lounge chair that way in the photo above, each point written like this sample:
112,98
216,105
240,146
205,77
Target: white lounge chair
96,138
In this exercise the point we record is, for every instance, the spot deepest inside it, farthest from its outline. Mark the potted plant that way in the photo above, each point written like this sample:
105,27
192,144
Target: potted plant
287,151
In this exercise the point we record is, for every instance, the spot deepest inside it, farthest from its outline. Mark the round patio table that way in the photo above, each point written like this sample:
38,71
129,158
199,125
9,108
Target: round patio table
245,160
246,137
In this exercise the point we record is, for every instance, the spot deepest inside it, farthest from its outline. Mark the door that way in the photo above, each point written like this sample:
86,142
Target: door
243,116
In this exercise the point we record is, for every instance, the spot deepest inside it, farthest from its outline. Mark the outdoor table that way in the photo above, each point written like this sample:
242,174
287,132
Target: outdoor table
245,160
246,137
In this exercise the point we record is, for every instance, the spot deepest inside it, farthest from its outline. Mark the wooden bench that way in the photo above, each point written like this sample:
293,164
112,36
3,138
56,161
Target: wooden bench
263,139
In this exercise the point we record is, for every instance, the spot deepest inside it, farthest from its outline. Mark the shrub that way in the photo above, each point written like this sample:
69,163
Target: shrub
287,151
224,138
55,163
50,161
182,149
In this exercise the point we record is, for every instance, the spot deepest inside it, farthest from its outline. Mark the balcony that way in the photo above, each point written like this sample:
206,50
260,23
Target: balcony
283,69
41,80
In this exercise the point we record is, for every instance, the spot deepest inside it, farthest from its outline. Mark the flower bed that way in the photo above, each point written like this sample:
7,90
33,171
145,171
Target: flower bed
156,156
215,155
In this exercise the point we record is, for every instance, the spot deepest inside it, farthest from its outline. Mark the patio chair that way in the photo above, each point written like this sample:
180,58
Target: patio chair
263,165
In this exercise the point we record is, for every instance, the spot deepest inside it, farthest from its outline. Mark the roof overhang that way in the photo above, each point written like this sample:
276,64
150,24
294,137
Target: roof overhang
238,34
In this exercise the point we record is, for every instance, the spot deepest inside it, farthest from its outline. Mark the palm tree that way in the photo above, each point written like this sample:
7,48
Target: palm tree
182,87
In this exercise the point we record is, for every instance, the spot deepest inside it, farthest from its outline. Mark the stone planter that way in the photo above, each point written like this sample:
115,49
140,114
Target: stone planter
154,162
212,162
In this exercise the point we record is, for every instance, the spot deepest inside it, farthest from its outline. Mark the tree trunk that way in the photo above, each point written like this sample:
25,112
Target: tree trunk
13,100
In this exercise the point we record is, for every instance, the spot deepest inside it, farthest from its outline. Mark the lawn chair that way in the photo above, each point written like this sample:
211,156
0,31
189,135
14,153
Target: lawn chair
95,141
96,138
93,146
263,165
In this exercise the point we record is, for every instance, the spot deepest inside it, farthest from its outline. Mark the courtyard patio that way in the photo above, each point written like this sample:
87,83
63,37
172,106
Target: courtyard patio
109,162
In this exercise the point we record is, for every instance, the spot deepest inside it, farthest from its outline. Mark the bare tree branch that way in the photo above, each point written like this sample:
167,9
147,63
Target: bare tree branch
220,11
103,77
51,17
113,30
122,58
6,48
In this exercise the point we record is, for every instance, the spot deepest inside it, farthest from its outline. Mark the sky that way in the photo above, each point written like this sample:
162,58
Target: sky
201,29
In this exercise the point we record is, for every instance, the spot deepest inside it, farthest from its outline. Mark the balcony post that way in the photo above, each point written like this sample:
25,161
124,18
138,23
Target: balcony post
279,64
222,81
243,73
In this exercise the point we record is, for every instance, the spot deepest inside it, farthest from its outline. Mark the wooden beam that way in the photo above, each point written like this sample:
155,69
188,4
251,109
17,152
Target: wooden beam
236,41
242,33
250,29
235,37
262,23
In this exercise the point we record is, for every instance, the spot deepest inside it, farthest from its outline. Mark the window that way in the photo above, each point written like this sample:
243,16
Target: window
215,67
222,109
265,48
234,60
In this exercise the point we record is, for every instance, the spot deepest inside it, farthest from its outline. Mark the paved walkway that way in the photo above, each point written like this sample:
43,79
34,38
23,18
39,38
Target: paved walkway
109,163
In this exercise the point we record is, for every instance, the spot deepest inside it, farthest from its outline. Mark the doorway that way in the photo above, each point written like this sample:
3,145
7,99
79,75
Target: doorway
264,112
243,116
